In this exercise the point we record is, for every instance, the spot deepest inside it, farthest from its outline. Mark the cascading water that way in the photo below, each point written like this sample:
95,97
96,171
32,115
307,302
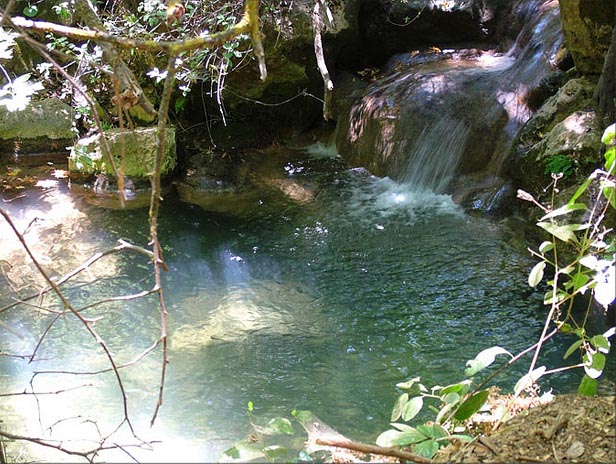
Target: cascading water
431,118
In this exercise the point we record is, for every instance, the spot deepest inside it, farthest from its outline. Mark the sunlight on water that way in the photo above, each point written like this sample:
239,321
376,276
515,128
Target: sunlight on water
322,306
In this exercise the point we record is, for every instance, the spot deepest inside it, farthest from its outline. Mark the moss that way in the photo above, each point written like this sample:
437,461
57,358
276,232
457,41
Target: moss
138,146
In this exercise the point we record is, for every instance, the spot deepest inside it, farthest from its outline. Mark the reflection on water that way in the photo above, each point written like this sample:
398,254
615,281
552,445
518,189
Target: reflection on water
320,305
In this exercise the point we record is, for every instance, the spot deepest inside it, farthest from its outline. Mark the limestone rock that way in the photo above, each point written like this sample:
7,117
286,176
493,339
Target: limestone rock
139,147
44,126
587,26
565,125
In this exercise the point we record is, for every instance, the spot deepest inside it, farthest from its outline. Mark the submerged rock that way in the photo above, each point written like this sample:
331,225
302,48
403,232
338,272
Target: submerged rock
263,308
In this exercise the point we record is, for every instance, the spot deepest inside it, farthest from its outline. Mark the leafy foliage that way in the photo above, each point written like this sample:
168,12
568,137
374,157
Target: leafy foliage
578,230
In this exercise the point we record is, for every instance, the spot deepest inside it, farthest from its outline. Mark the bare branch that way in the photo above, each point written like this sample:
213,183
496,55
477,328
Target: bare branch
374,449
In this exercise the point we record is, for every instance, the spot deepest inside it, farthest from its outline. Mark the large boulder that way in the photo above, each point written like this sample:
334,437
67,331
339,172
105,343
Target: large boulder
42,127
138,147
587,26
562,135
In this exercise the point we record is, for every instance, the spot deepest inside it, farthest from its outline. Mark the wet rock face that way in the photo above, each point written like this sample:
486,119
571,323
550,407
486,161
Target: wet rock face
587,26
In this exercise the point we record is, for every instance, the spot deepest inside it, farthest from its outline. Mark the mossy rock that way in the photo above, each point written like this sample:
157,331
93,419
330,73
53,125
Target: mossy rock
44,126
139,147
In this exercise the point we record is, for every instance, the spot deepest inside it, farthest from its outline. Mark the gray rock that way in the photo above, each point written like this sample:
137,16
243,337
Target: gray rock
44,126
139,147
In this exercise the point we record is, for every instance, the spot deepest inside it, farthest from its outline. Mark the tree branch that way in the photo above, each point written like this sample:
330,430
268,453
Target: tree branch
374,449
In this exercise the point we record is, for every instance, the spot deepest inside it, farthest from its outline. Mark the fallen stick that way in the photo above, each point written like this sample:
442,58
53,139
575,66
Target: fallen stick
374,449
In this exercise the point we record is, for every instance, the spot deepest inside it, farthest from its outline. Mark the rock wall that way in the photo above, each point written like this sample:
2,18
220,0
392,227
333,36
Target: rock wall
587,26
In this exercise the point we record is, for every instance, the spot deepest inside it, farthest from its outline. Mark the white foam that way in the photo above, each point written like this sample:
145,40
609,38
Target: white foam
375,199
320,150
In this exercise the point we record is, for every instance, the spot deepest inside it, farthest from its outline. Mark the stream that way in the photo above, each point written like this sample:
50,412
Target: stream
321,305
318,291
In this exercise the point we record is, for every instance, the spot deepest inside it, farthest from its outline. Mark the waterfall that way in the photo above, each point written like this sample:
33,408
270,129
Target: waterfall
434,156
430,120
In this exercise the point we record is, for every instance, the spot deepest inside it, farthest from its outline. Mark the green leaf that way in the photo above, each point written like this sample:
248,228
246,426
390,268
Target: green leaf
601,343
30,11
388,437
574,346
536,274
483,360
278,426
549,298
403,427
409,438
432,431
579,280
594,363
609,135
581,189
566,328
399,406
461,388
409,383
528,379
588,386
610,194
451,398
274,452
427,448
412,408
445,409
245,451
303,417
565,232
458,436
566,209
471,405
610,155
545,247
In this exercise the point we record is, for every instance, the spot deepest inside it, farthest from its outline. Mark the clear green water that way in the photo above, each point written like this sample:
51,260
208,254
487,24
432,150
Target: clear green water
321,306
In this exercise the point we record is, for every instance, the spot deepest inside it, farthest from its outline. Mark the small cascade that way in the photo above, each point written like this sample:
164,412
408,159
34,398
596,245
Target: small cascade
435,155
430,120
